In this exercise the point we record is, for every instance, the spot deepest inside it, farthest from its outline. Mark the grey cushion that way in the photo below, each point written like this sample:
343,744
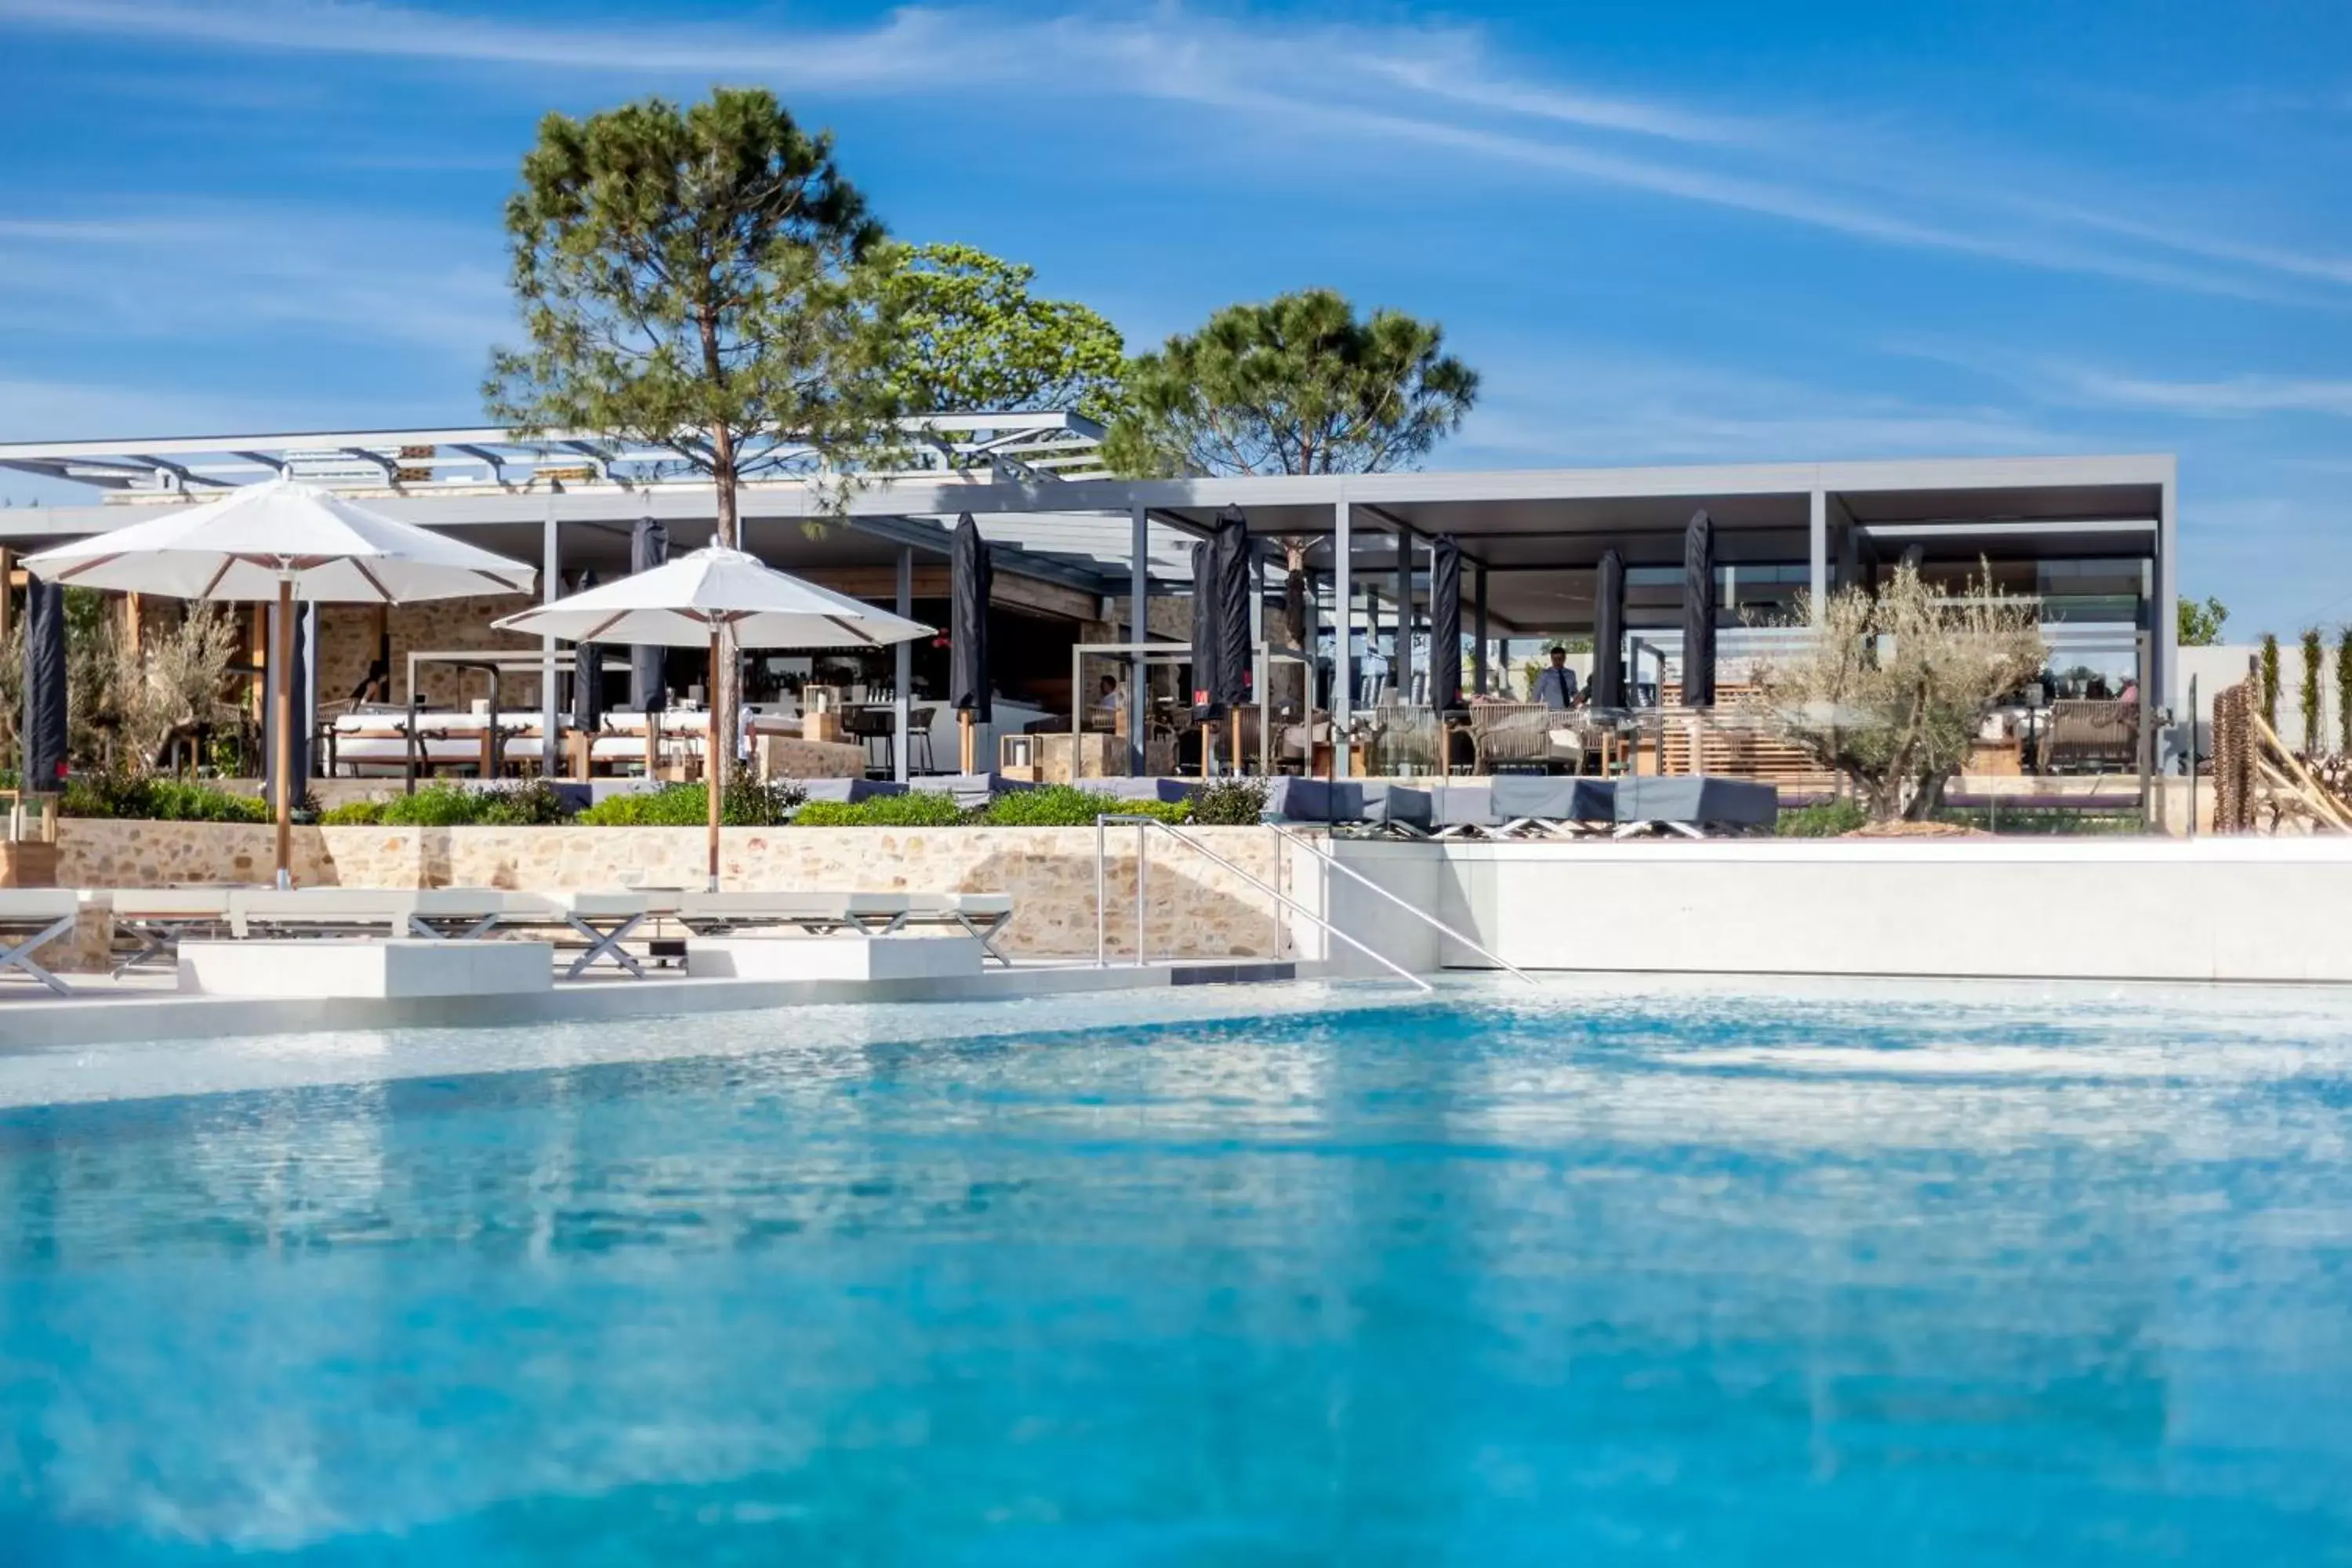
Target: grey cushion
1463,804
972,791
1293,799
1143,789
1378,800
849,791
1699,801
1548,799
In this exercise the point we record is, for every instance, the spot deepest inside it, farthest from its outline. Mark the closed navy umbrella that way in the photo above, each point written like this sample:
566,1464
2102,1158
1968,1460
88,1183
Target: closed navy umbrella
44,685
1698,612
1609,633
649,686
588,675
1444,623
1236,663
1205,642
649,548
971,582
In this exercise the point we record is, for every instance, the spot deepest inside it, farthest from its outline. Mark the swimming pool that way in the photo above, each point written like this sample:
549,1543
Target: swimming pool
1609,1275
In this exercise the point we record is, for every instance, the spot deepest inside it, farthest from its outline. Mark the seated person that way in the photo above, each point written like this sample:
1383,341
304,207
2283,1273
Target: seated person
375,686
1109,710
1556,685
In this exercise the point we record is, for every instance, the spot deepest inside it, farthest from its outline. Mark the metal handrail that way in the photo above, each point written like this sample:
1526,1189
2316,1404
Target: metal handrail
1423,916
1143,825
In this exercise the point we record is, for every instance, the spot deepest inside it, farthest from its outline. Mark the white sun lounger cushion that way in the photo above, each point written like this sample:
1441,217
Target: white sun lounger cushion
172,903
24,906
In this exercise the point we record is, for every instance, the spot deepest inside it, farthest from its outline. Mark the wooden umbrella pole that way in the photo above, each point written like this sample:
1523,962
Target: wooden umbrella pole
713,768
281,661
964,741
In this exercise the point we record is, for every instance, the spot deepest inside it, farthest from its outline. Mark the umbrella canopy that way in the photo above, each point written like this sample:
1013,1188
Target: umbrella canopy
971,580
45,686
1608,686
694,599
588,673
252,540
683,602
1204,632
284,543
1698,612
649,548
1444,623
1236,572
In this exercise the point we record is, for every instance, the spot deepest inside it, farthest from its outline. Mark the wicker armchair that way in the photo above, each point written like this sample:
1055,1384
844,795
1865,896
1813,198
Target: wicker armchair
1514,734
2085,735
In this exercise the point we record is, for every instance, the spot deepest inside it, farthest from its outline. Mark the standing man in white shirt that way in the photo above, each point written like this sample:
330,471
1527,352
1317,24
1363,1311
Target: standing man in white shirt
1556,684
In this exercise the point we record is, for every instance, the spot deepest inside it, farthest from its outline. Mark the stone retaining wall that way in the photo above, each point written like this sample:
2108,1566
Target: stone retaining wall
1194,908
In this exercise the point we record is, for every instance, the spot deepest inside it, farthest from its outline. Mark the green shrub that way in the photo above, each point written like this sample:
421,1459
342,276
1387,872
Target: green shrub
1230,802
352,814
747,802
916,808
133,798
2043,820
533,805
1827,820
448,804
1067,806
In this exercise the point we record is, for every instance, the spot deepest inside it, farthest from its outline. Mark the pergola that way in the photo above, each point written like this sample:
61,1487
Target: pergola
1529,540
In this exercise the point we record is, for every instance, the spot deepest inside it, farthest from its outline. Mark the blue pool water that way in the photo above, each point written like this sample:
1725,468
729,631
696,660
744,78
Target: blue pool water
1894,1279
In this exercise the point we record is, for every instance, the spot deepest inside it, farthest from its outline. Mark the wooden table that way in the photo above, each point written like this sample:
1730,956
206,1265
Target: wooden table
1320,759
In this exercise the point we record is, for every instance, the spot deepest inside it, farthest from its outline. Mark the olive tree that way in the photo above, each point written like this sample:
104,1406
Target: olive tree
1892,686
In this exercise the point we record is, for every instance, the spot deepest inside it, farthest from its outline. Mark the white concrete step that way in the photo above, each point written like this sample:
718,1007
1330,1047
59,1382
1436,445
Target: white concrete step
342,967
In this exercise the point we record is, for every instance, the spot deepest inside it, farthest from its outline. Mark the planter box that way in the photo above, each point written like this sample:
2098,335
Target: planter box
28,863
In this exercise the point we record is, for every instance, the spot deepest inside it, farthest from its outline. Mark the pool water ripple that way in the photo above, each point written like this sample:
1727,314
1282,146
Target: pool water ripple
1587,1276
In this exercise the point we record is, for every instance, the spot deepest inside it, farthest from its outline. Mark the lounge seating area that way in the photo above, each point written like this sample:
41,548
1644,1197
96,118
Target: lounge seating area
389,743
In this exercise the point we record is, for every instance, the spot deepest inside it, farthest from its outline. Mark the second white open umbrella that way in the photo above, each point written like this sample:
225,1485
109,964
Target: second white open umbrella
695,600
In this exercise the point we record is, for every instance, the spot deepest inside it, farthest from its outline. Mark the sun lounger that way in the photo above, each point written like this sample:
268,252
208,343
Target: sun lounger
153,922
1694,805
980,915
1458,810
603,920
1374,802
30,918
317,912
1549,804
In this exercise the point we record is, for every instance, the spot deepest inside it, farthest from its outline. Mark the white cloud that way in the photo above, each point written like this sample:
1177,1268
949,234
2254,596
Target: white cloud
216,270
2232,397
1438,87
1625,409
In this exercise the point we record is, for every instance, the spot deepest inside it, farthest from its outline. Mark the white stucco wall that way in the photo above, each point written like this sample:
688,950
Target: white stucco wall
2227,908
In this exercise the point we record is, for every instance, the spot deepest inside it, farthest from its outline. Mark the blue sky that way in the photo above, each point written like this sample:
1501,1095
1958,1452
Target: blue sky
1698,232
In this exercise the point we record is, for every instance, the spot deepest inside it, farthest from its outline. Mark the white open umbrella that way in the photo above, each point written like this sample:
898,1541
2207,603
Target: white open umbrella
285,541
693,600
683,602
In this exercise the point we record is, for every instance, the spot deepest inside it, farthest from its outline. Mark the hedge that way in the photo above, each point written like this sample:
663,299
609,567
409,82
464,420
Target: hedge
744,804
160,800
916,808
